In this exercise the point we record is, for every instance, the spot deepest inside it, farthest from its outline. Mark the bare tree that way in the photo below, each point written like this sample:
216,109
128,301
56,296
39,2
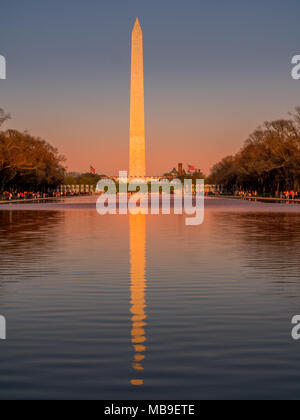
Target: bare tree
3,117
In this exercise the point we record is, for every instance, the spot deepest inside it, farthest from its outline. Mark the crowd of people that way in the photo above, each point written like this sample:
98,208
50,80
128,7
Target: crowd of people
246,194
289,195
283,195
15,195
26,195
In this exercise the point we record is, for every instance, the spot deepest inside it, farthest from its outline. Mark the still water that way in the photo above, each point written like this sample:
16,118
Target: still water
143,307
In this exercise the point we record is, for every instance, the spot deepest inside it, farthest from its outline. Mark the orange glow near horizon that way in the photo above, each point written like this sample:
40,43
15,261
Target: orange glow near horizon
189,131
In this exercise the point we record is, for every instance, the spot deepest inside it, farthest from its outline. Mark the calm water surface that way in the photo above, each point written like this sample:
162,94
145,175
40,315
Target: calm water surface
144,307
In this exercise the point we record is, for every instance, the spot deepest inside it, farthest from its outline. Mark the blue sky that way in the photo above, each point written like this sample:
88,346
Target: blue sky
214,70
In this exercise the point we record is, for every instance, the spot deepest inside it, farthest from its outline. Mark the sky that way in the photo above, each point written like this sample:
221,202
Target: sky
214,71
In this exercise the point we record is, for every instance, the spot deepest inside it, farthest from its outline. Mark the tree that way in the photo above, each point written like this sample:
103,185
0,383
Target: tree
269,161
82,179
28,162
3,117
224,172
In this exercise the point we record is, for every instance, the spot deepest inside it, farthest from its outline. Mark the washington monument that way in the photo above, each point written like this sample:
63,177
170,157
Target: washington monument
137,159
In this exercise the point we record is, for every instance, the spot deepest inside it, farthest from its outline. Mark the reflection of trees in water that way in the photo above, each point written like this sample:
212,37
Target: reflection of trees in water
27,233
266,241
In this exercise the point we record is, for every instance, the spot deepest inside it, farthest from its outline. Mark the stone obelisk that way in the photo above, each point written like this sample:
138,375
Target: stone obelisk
137,161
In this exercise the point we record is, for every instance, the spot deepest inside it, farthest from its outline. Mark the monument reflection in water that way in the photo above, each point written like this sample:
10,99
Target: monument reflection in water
138,293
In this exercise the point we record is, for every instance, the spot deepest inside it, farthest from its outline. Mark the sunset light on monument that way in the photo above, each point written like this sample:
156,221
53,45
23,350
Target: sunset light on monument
137,164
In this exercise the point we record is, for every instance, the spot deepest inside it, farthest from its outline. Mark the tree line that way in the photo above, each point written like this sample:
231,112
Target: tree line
269,161
28,163
82,179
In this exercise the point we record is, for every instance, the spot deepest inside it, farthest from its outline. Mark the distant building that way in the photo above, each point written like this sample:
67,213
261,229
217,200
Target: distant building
180,169
174,173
